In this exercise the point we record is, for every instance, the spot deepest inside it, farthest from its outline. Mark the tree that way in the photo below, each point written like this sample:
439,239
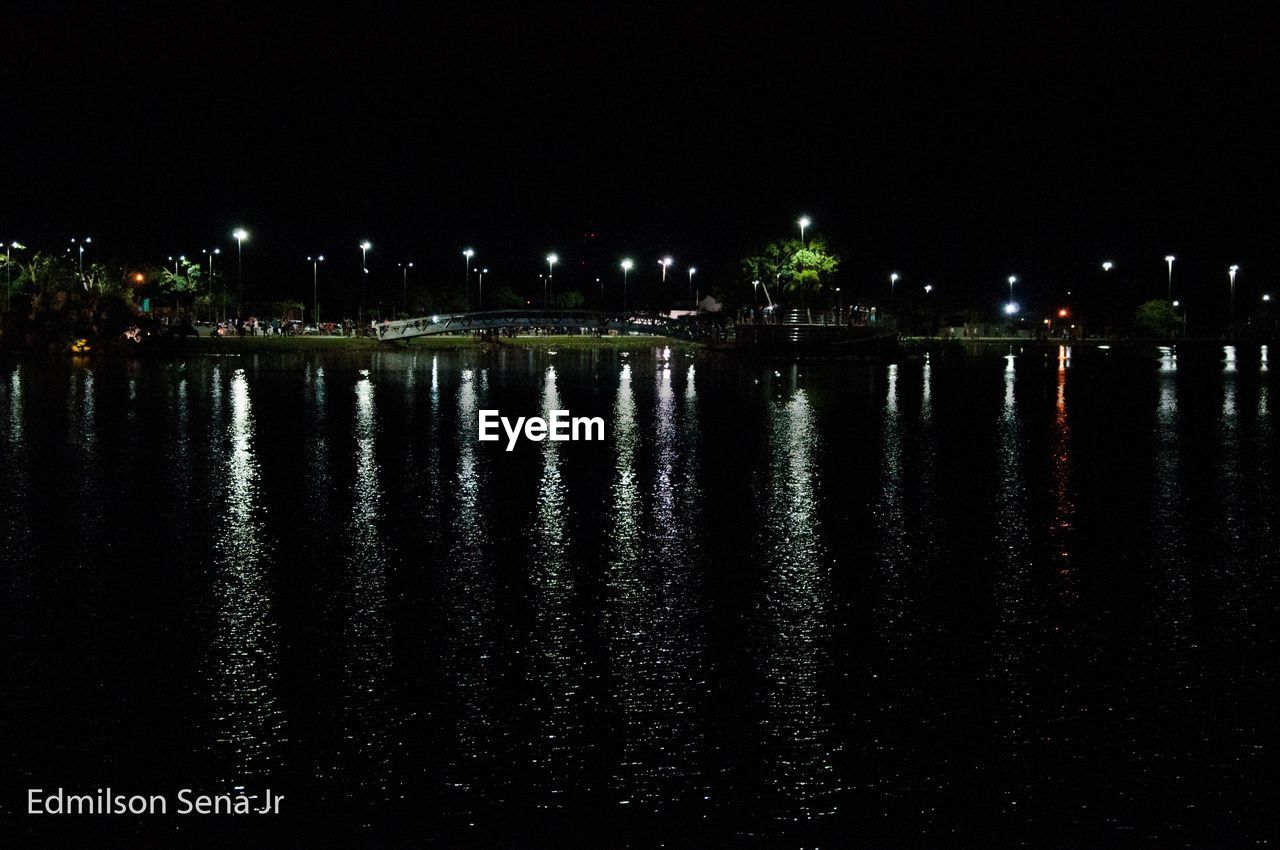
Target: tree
506,298
1156,319
185,280
797,270
571,300
43,275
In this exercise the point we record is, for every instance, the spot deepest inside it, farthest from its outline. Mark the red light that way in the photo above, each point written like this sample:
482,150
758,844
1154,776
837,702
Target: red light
1063,313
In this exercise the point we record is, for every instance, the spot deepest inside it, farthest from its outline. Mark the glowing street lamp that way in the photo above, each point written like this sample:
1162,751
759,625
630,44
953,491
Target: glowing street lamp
1169,261
1231,273
364,274
210,252
803,222
80,258
691,273
8,264
893,280
467,254
1106,267
483,272
552,259
626,267
240,235
1010,308
315,290
404,284
1012,280
664,262
928,287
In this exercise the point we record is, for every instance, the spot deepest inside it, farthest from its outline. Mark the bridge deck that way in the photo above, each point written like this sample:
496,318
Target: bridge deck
498,320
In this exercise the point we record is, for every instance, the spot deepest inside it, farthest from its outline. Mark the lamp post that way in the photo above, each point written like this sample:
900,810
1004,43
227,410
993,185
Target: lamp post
467,254
175,261
626,267
601,292
803,222
1169,261
315,290
404,285
1231,273
1012,280
664,262
364,274
240,234
80,258
552,259
483,272
211,252
694,304
8,265
893,280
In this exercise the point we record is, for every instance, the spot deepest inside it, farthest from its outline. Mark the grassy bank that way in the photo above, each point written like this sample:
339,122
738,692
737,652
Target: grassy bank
306,344
624,343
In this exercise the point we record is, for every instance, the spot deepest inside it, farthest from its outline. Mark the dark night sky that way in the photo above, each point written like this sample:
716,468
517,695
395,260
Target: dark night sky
954,146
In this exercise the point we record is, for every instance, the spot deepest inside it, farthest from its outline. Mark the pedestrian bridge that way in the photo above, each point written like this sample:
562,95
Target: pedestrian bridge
563,321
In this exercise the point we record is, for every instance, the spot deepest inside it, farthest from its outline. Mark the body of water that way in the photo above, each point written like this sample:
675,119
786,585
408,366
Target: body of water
1022,594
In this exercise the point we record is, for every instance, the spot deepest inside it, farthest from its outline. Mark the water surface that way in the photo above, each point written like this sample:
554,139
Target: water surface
1019,594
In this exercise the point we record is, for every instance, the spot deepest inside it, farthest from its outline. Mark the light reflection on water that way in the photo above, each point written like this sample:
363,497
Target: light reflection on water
796,729
1013,564
894,550
369,728
652,598
247,716
626,598
1061,536
14,491
470,666
555,656
1171,565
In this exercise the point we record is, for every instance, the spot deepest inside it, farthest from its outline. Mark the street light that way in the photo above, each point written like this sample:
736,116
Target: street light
1231,273
483,272
664,262
8,264
803,222
240,235
893,279
1169,260
1106,267
1011,308
552,259
467,254
364,274
211,252
1012,280
80,259
404,285
691,301
626,267
315,291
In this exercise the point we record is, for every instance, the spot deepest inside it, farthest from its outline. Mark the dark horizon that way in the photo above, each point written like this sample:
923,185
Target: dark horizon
951,148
